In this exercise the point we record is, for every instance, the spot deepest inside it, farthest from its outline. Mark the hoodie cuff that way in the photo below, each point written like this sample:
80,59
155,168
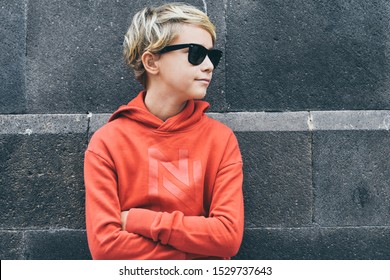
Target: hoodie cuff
140,221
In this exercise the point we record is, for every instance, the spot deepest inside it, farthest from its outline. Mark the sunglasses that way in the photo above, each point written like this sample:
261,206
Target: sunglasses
197,53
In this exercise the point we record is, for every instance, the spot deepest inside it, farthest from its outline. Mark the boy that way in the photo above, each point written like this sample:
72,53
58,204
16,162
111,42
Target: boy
163,180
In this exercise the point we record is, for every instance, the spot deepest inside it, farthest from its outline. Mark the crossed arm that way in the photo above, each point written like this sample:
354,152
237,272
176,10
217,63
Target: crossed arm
219,234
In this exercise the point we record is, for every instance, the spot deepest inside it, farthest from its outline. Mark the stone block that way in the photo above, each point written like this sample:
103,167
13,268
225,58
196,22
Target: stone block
264,121
279,244
44,124
41,180
12,56
307,55
355,243
11,245
315,243
277,178
75,62
349,120
351,177
57,245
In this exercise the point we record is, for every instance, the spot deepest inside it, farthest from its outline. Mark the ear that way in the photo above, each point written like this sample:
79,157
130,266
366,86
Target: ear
150,62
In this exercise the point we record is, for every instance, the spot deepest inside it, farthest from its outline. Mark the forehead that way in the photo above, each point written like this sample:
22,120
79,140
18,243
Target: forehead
188,33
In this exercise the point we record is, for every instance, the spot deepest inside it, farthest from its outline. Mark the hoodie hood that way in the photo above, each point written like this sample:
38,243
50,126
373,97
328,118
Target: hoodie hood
137,111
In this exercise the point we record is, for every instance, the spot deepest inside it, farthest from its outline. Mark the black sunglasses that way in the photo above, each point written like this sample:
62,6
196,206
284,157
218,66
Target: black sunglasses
197,53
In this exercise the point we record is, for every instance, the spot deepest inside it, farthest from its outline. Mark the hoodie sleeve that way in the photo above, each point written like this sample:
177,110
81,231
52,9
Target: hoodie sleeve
219,234
106,238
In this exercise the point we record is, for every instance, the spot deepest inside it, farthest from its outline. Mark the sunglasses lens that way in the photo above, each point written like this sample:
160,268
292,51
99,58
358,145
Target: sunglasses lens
215,57
197,54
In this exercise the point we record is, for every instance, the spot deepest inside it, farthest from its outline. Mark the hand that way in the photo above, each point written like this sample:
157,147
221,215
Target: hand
123,219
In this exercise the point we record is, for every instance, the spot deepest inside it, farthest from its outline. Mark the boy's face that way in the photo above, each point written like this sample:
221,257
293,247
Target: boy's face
177,75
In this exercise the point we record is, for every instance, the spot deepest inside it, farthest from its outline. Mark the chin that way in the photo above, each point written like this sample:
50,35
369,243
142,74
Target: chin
200,95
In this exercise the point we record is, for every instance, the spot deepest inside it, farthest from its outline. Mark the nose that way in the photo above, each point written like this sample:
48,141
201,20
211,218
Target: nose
207,65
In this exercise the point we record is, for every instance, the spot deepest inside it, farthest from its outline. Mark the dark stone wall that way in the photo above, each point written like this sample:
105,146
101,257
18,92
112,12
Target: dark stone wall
304,84
307,55
12,56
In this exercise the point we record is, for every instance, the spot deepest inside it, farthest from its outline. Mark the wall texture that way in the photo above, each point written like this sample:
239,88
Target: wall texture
305,84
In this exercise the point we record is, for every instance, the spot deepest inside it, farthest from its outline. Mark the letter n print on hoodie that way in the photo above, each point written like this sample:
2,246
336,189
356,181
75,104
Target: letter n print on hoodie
178,175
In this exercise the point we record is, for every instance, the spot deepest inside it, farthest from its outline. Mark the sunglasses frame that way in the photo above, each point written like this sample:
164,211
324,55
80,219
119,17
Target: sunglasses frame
214,58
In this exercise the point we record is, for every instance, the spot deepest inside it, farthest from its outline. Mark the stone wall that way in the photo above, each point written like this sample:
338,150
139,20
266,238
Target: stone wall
304,84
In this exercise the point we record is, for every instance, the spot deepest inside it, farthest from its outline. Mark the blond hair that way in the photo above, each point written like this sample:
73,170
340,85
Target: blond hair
155,27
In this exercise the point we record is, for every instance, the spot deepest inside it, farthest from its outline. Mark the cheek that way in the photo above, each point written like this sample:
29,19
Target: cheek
185,73
179,69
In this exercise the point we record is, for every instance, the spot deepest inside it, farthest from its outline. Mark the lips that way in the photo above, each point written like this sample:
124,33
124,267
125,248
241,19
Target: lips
206,80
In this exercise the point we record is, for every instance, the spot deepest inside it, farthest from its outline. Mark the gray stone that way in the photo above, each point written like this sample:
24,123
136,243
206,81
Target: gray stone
279,244
75,56
57,245
277,178
97,121
11,245
307,55
43,124
41,181
75,60
264,121
351,177
314,243
350,120
356,243
12,56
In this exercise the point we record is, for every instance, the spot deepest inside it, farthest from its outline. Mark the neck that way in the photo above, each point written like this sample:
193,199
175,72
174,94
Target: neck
163,105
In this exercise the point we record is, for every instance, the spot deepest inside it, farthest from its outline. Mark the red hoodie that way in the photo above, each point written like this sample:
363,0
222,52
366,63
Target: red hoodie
181,181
